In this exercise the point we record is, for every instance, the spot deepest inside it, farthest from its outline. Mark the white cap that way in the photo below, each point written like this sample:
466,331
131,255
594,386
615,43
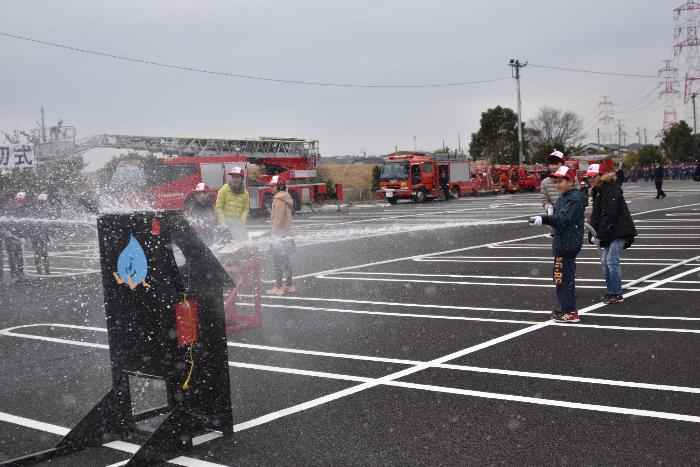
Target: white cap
564,172
42,197
201,187
275,180
236,171
593,170
20,196
557,154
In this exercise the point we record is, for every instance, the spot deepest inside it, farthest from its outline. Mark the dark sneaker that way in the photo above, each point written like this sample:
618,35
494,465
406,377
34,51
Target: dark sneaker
605,298
615,299
571,317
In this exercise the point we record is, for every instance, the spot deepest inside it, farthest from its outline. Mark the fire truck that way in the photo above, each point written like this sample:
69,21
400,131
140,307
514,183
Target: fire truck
167,182
416,176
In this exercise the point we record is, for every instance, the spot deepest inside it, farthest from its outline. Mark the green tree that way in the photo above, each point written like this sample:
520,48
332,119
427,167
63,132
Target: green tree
497,138
679,144
649,154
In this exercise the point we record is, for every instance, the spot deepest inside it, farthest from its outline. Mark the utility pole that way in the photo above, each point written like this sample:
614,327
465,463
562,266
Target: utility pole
639,135
645,135
598,136
459,143
619,137
43,126
414,143
695,121
515,70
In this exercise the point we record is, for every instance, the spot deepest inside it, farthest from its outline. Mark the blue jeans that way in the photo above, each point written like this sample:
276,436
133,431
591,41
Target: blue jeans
610,259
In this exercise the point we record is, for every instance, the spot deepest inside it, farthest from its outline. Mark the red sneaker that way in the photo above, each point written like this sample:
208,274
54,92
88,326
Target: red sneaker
571,317
289,289
275,291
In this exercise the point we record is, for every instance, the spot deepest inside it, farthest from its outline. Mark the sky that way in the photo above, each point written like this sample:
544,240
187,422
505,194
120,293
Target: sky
359,41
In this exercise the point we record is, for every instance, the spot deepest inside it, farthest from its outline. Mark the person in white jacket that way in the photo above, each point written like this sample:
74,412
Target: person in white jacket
548,188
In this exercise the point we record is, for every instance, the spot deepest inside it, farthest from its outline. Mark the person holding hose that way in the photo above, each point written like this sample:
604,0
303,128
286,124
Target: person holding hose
233,206
614,228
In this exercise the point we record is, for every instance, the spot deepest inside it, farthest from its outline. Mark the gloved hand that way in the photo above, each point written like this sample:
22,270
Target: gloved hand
592,240
537,220
550,210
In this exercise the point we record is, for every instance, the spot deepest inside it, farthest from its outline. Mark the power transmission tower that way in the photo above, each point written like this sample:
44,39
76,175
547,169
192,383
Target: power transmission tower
686,48
669,78
606,119
515,69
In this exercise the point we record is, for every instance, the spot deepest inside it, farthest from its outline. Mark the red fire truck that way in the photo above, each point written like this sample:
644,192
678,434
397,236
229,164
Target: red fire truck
167,182
416,176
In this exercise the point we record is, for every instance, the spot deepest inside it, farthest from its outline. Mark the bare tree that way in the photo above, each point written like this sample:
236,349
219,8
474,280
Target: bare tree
557,128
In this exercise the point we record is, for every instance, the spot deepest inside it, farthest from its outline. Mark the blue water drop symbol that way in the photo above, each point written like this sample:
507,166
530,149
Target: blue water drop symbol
132,262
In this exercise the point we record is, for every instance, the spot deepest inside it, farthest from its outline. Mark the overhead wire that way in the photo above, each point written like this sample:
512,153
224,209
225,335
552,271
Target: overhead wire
247,76
594,72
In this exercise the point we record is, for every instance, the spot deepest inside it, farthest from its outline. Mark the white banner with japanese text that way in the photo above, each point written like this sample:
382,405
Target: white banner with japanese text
16,155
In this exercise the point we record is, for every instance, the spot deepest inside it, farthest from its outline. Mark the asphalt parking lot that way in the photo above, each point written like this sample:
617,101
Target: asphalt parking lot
419,335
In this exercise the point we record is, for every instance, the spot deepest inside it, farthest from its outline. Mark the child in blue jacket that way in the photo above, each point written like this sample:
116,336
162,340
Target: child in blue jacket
567,222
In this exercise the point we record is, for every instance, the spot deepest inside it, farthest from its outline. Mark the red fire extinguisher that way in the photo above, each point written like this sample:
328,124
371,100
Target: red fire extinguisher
186,321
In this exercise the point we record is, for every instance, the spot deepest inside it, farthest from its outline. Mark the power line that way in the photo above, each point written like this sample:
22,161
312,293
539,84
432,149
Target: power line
579,70
250,77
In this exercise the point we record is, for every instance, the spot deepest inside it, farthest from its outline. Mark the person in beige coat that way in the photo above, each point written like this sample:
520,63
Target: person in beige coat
282,230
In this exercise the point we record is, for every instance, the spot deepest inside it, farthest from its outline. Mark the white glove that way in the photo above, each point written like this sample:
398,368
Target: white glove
550,210
537,220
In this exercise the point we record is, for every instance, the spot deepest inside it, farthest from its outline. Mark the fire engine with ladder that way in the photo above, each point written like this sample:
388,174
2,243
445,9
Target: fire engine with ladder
167,181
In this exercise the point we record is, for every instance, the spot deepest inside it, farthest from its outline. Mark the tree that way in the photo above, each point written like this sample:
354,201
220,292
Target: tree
649,154
497,138
679,144
555,129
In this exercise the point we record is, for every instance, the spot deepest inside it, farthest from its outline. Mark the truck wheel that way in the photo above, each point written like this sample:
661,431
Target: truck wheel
267,205
392,200
455,192
420,196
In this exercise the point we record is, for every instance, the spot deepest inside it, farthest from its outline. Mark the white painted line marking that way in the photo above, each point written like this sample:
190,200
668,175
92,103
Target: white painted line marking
398,304
403,373
549,402
384,313
293,371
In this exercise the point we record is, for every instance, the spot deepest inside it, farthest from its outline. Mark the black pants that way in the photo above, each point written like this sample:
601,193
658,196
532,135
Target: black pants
283,267
659,192
40,245
15,258
446,192
564,275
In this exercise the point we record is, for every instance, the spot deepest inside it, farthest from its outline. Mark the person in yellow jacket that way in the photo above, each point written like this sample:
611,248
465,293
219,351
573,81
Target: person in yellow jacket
233,206
282,232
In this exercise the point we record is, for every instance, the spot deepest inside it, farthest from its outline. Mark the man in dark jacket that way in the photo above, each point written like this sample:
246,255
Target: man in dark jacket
16,208
659,174
567,221
620,176
614,228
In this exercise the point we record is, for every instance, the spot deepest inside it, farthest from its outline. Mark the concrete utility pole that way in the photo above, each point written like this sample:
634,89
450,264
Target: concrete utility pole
639,135
695,121
516,66
645,135
43,126
619,137
598,136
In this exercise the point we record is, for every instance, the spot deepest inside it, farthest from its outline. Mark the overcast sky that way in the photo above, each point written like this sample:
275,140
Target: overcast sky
358,41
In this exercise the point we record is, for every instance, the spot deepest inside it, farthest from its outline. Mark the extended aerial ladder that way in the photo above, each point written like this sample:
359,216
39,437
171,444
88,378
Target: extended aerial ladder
254,149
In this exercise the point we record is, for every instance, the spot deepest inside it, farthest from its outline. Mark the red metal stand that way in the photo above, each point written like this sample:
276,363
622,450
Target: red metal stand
243,275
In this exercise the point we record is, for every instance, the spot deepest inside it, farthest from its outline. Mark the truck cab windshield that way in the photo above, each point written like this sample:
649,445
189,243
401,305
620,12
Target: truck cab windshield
394,171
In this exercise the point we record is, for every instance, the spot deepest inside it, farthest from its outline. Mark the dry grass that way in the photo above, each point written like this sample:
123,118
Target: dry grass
355,178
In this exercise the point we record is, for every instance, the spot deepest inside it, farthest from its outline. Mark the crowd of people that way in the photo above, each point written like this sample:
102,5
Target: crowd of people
17,229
